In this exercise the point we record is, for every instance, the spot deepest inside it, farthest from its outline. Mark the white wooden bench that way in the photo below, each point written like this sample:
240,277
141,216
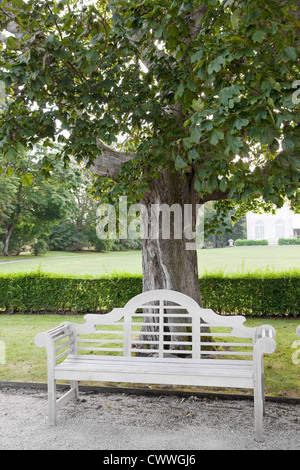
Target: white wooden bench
298,331
176,353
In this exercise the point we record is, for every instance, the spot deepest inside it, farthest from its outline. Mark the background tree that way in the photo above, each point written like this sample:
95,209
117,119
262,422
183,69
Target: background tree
198,92
29,203
219,228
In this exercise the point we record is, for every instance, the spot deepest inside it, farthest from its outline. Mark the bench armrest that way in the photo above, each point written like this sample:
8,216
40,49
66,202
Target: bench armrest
264,341
64,336
265,331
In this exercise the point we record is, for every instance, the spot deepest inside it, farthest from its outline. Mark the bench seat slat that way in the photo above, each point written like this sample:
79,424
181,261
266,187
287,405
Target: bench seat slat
229,363
163,363
174,372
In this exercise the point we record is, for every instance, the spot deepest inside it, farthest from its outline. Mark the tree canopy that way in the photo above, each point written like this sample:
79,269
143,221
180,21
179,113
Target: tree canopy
202,86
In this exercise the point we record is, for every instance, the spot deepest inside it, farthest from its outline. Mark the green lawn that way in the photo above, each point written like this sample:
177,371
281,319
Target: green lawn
77,263
236,259
27,363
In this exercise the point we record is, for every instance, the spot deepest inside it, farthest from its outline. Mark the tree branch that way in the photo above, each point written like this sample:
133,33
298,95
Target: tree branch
109,162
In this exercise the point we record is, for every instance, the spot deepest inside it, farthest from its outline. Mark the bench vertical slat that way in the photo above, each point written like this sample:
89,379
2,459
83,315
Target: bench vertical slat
161,328
196,346
127,336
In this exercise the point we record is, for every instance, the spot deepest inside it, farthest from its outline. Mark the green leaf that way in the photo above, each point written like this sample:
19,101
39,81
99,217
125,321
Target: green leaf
216,65
227,93
180,163
198,185
195,135
193,155
172,31
233,144
268,135
198,105
17,3
159,32
62,54
197,56
11,153
180,91
192,85
9,171
289,53
11,42
234,20
223,184
216,135
240,122
27,179
21,149
92,56
259,36
289,143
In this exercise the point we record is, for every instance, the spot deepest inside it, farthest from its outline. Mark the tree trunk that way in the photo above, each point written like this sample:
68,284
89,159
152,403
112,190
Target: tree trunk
167,263
7,240
13,222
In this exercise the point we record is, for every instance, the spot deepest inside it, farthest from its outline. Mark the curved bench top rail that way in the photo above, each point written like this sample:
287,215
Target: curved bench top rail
157,303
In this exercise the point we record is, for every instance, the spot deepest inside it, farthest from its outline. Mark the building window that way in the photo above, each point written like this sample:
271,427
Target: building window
259,230
279,229
296,232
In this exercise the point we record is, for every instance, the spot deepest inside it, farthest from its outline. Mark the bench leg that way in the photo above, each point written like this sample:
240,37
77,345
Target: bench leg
74,386
52,402
259,399
263,394
258,411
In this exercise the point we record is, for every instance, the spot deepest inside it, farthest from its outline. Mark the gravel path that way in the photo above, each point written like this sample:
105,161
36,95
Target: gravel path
131,422
39,258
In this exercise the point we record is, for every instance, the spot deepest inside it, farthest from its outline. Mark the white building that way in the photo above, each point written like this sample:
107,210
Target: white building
284,224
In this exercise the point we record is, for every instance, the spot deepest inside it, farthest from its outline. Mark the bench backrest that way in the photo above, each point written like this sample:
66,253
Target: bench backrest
165,323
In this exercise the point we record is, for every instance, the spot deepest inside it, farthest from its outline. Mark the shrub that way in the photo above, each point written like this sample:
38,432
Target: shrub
289,241
252,294
40,247
240,242
40,292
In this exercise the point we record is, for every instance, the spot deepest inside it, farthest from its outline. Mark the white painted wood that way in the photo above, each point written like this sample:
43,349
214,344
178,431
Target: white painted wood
70,395
264,345
198,363
298,331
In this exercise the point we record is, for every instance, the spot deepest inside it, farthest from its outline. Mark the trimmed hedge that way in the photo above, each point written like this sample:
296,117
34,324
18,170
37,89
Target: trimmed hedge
241,242
253,294
46,293
289,241
275,295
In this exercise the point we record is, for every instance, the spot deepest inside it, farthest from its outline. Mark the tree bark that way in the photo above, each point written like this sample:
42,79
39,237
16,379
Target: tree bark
13,222
167,264
7,240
